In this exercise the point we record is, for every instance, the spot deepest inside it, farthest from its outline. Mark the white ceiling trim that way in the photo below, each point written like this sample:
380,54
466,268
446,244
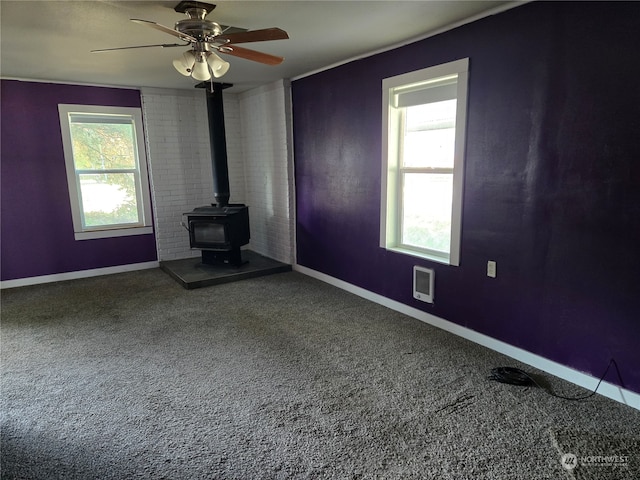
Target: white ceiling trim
409,41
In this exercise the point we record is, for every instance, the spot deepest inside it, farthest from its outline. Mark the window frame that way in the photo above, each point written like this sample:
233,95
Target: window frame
392,171
143,194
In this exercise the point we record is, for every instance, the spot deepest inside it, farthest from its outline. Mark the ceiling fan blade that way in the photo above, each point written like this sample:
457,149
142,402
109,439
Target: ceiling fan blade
162,28
163,45
251,55
230,29
255,35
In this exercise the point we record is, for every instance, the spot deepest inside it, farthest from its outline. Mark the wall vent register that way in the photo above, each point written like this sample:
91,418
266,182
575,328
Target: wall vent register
423,281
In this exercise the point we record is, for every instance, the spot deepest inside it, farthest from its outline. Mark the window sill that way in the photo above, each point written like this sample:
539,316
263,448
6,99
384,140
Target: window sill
116,232
424,255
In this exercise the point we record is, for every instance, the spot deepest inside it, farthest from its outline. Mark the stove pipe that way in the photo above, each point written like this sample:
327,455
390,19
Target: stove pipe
218,145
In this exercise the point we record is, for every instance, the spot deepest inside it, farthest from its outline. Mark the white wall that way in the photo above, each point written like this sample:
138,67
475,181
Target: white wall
266,119
235,148
260,168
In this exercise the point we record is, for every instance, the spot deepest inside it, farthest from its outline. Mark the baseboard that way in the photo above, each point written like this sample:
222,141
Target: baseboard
584,380
58,277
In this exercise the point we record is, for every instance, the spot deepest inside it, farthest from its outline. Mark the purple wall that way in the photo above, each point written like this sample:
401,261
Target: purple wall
37,230
552,187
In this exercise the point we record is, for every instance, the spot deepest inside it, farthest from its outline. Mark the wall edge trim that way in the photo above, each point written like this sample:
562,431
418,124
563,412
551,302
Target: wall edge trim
576,377
65,82
59,277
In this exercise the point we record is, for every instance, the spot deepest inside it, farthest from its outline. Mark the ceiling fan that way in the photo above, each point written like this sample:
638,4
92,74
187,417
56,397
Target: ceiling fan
205,38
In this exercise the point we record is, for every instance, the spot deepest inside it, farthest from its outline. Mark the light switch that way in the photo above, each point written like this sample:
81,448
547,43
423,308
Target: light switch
491,269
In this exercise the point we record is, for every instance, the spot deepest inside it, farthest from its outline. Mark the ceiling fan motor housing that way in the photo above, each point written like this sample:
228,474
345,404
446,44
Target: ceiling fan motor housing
198,28
197,25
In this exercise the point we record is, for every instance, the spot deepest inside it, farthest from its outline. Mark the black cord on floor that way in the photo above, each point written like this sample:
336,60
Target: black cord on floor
515,376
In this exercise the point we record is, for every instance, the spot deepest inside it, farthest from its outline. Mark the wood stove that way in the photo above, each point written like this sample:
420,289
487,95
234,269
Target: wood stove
219,232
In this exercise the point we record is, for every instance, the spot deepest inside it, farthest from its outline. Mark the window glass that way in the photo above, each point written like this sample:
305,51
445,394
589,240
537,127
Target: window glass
103,146
108,199
429,135
426,218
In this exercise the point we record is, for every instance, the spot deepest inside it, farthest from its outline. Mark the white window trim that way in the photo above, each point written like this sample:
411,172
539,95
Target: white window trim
81,233
389,208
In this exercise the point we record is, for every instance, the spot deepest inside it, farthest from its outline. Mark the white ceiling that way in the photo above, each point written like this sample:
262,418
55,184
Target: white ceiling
51,40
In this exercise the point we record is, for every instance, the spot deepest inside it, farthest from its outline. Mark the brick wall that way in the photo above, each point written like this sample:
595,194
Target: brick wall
265,122
260,175
235,150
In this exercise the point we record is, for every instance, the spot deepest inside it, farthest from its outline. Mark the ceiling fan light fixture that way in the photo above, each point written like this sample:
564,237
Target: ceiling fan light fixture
184,65
201,70
189,58
218,66
179,66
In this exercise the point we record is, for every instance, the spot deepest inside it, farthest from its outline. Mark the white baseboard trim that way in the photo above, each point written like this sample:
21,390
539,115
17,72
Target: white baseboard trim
584,380
59,277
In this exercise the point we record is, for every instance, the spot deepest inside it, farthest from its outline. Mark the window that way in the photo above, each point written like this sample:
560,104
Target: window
106,170
424,118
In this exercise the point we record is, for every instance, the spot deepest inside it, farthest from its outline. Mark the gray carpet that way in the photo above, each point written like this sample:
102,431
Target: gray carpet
132,376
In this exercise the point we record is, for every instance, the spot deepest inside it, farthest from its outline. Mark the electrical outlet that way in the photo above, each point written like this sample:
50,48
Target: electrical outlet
491,269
